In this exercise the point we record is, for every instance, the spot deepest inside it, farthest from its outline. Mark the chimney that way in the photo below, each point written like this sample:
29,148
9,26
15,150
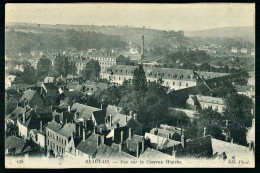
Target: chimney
183,140
100,130
205,131
103,139
24,117
137,150
226,122
51,109
135,116
98,140
17,104
68,108
130,113
126,119
122,136
101,106
232,140
120,147
84,135
72,135
130,133
142,145
40,126
79,130
157,146
142,45
174,152
66,120
94,130
110,120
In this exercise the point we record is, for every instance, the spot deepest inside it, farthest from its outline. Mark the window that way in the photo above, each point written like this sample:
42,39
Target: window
65,142
119,78
173,83
62,140
57,138
48,142
48,133
167,83
187,85
180,83
114,78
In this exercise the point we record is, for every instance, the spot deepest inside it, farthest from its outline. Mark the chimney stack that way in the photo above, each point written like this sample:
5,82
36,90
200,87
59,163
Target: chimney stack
137,150
226,122
100,130
126,119
135,116
84,135
40,126
110,120
72,135
17,104
24,117
98,140
205,131
142,45
130,133
51,109
79,130
130,113
101,106
142,145
69,109
122,136
174,152
183,140
94,130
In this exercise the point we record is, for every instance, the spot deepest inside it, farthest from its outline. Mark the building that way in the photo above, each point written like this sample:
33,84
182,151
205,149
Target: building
93,87
32,98
217,104
173,78
15,146
19,67
58,136
48,79
50,93
234,50
8,81
243,50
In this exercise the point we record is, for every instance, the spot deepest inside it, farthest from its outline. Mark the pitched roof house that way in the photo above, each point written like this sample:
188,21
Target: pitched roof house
32,98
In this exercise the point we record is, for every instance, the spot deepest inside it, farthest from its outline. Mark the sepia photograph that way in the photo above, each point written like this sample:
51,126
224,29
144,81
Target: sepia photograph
129,85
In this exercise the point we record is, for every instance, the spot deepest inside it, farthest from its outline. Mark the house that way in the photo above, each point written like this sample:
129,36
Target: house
234,50
32,98
243,50
29,120
151,153
83,112
158,142
120,120
217,104
17,113
17,146
87,148
135,145
92,87
58,136
209,147
169,134
48,79
73,78
8,81
50,93
74,86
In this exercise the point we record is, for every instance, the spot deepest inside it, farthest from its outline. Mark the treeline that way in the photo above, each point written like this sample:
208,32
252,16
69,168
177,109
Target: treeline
22,42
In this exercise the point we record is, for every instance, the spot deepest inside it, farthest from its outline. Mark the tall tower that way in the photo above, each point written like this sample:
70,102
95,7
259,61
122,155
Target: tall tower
142,46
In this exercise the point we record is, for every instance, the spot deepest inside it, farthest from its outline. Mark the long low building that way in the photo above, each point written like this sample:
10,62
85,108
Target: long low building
173,78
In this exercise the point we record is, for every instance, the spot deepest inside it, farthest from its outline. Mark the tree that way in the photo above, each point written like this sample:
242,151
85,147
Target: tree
61,65
29,74
91,71
178,118
139,80
223,90
238,109
43,67
205,67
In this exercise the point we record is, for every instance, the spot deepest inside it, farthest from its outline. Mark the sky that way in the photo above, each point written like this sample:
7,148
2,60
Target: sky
187,17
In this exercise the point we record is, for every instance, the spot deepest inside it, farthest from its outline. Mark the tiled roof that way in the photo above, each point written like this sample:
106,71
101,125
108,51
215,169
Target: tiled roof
120,120
209,99
100,116
84,111
17,113
89,146
67,129
164,133
159,141
28,95
16,144
50,86
53,125
113,110
152,153
73,94
132,143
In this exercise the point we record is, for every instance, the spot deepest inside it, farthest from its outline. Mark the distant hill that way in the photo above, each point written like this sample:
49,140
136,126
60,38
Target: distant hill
125,32
246,33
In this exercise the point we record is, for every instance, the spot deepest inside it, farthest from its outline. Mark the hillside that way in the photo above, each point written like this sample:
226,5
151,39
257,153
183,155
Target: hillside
246,33
125,32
